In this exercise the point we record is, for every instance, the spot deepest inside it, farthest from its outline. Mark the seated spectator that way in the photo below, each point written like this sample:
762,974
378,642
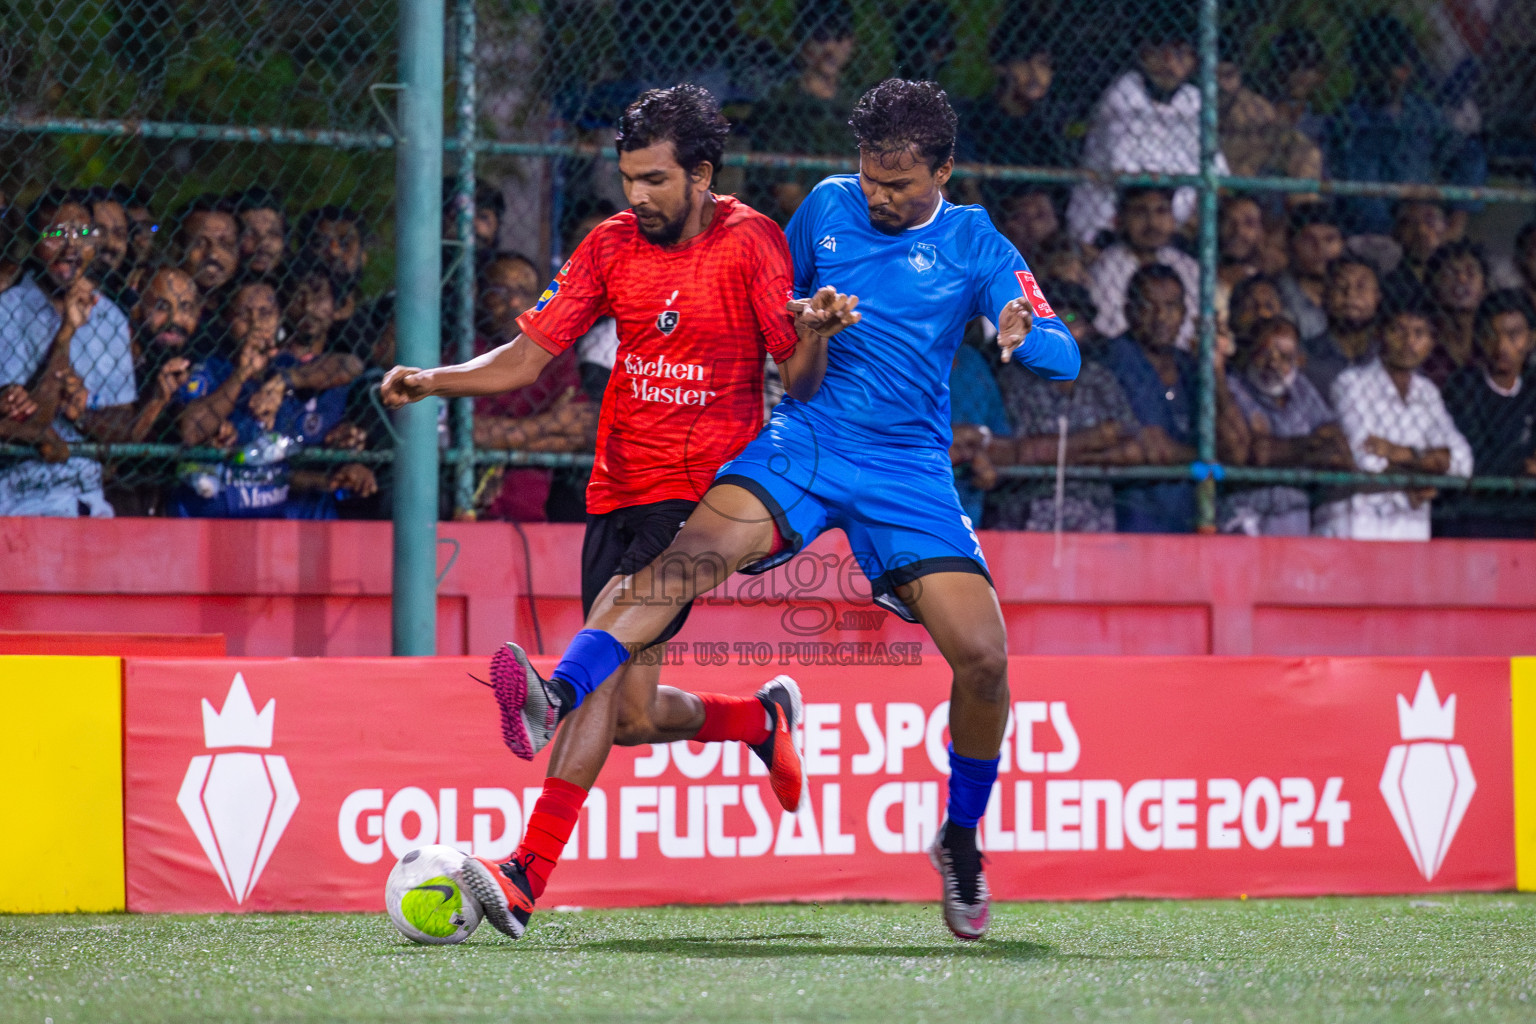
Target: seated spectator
163,320
1256,139
220,383
1494,406
977,416
1160,382
336,237
1147,120
1352,302
550,415
1288,424
810,114
1457,279
1313,241
319,376
1146,228
1396,422
110,214
1020,123
489,211
1239,247
1389,131
208,243
1419,227
1295,72
166,316
1102,430
263,233
1253,300
69,346
1027,217
256,481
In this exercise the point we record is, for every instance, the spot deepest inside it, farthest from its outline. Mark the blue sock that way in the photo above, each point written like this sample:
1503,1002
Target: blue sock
593,656
970,786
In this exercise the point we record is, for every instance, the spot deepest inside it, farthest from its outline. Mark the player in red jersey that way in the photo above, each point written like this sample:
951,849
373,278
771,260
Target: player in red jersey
698,285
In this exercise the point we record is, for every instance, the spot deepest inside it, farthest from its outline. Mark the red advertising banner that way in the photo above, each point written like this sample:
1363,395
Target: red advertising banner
257,784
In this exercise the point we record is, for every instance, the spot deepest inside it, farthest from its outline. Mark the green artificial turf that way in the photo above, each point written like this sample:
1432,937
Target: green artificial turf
1467,958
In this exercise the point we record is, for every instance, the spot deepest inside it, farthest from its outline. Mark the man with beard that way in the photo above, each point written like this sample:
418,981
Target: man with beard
263,232
209,240
336,237
1352,300
56,330
163,320
697,283
859,443
550,415
1289,424
110,212
165,316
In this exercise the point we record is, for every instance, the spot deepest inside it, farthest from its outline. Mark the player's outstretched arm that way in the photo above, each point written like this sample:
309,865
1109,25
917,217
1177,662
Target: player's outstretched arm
1051,351
514,365
816,320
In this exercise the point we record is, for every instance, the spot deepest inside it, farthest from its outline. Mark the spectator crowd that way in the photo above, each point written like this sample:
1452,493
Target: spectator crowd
1358,335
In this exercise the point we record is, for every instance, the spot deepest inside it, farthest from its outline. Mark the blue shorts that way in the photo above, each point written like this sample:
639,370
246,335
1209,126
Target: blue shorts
898,506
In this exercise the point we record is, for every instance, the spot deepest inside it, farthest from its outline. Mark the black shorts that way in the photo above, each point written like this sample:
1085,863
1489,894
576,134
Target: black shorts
625,541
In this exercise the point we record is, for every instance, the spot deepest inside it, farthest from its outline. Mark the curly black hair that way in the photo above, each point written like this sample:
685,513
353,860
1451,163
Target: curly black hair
898,115
685,115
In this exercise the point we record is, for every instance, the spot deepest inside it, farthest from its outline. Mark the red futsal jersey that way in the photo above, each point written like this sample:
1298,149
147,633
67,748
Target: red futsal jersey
694,322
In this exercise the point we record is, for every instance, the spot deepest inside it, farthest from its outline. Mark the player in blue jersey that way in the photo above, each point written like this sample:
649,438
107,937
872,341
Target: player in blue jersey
867,452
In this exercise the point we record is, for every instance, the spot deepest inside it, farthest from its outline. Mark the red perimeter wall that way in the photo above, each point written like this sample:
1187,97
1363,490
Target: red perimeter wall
279,588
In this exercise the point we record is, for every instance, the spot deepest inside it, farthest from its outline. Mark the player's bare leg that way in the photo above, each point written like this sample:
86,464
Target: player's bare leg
961,613
628,706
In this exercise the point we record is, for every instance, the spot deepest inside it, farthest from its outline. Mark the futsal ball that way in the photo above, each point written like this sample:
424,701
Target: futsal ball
425,900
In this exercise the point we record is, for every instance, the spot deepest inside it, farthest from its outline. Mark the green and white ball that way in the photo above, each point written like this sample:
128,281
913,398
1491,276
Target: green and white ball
425,899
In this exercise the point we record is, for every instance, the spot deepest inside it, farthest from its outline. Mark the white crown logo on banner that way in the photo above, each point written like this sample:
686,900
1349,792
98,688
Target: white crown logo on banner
237,803
1428,782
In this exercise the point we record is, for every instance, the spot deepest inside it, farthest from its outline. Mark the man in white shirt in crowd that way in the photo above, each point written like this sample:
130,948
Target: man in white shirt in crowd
1147,120
1396,422
1146,225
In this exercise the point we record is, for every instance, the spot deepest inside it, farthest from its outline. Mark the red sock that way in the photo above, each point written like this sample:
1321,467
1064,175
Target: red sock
732,718
549,827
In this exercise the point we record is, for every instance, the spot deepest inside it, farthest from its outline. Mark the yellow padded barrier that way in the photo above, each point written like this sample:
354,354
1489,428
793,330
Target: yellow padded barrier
61,802
1523,694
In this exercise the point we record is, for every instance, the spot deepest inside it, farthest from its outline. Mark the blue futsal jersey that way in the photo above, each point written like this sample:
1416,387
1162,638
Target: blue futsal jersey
887,379
868,454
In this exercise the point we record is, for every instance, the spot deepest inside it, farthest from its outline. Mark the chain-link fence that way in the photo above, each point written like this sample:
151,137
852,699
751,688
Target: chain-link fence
1337,340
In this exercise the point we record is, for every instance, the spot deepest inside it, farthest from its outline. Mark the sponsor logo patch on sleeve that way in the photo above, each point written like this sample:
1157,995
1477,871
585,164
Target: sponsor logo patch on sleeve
1033,293
549,293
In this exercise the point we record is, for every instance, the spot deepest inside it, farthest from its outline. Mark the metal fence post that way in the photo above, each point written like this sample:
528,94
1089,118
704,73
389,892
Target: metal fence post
1205,489
463,297
418,276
